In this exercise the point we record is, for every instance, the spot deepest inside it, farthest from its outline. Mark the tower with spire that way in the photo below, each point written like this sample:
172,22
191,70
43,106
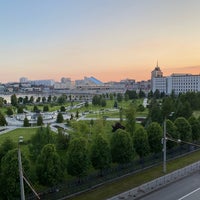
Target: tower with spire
156,72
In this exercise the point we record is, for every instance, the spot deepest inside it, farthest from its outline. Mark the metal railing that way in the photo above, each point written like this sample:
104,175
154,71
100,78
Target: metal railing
155,184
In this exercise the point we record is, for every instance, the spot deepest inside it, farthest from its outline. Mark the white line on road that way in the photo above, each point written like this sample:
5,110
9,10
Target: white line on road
187,195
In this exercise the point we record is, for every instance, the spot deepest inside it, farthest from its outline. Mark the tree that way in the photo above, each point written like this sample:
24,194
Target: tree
31,100
7,145
38,99
195,125
115,104
35,108
141,143
39,120
60,118
171,133
49,98
9,111
141,94
183,129
14,101
62,109
154,132
121,147
42,137
100,153
2,120
62,140
48,166
140,108
45,108
130,119
20,110
25,100
155,113
26,122
62,99
44,99
119,97
78,159
9,180
167,106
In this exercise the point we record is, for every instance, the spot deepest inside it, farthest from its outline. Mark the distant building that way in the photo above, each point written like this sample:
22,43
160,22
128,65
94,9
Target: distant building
23,80
49,82
179,83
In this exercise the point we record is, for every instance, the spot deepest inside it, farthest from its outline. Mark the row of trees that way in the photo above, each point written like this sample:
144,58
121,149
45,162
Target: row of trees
84,149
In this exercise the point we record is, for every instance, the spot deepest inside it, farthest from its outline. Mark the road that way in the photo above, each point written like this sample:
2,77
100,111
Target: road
184,189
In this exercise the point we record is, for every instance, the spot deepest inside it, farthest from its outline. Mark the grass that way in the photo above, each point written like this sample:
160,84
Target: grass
14,135
131,181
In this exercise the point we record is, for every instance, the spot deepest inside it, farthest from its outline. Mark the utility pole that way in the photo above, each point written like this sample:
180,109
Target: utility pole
164,146
20,170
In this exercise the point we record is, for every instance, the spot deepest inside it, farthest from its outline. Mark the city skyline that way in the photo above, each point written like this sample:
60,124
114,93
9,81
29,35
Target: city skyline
108,39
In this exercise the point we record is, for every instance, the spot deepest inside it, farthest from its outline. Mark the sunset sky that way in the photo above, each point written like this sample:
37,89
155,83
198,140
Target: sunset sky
108,39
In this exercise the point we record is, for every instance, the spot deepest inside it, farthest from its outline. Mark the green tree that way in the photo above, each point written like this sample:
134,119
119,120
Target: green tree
141,143
121,147
48,166
130,119
167,106
119,97
31,100
183,129
62,99
195,125
20,110
141,94
9,111
62,109
62,140
78,159
9,180
2,120
26,122
40,120
44,99
7,145
49,98
45,108
14,100
171,133
100,153
154,132
42,137
60,118
38,99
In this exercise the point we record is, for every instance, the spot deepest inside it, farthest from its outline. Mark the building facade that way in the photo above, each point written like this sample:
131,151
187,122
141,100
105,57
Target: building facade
178,83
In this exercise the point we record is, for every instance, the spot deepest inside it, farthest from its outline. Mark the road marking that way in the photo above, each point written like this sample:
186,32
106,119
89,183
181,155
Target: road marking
189,194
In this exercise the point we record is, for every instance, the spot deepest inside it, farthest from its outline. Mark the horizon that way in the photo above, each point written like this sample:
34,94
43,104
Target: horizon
110,40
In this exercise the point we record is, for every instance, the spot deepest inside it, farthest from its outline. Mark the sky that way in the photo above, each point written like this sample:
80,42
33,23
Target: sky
108,39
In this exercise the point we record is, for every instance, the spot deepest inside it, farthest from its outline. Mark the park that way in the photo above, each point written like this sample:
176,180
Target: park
90,149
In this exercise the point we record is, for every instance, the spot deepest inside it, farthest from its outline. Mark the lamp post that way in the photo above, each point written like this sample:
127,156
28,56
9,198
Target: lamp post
164,147
20,170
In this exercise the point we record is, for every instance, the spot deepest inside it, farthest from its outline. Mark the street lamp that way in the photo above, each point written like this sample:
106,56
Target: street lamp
164,147
164,143
20,169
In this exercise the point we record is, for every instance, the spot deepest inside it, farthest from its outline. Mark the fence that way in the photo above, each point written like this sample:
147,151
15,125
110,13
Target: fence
94,180
146,188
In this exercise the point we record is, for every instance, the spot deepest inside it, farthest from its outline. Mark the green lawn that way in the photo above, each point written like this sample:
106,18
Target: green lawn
14,135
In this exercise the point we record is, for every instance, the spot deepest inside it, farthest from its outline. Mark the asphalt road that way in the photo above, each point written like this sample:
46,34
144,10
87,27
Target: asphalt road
184,189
